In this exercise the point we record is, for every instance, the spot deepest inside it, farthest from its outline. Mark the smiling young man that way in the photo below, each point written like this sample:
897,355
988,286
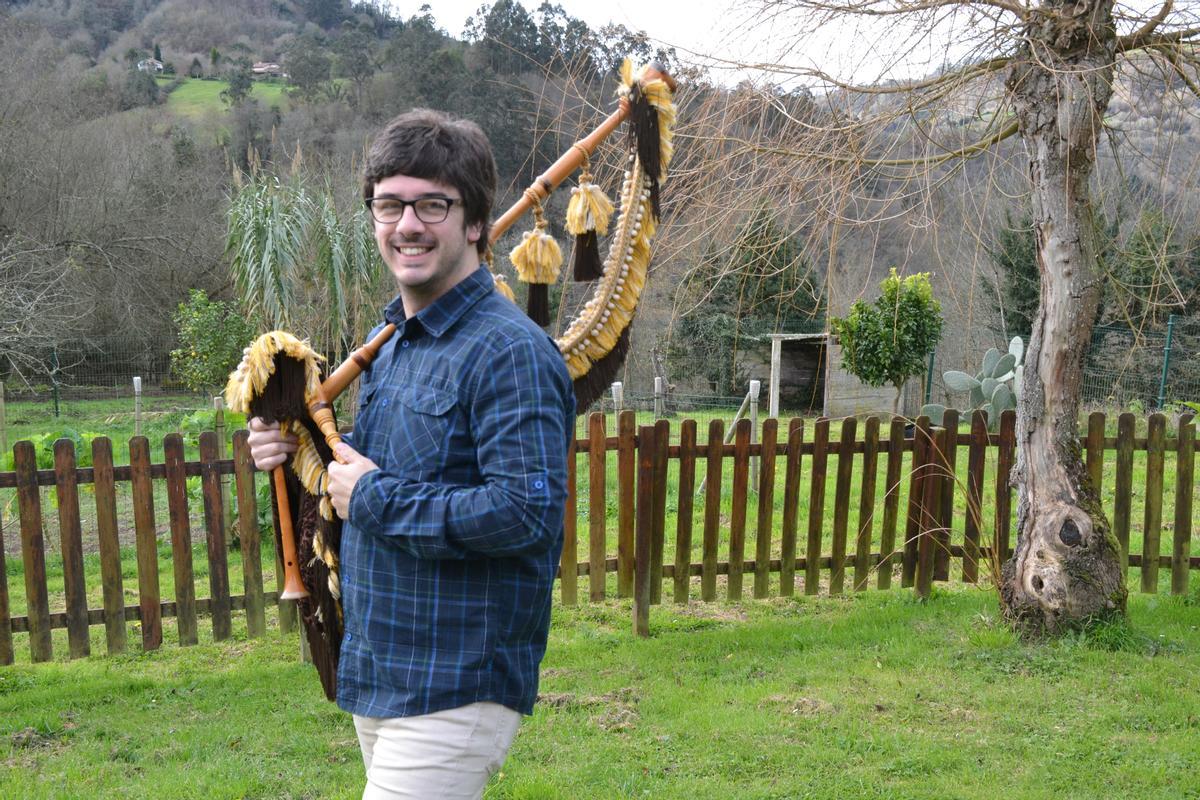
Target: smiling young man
454,489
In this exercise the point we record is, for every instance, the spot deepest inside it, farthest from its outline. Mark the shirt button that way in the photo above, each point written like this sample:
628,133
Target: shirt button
538,484
384,402
404,343
349,637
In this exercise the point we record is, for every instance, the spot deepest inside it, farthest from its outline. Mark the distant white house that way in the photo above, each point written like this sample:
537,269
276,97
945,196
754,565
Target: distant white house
150,65
267,68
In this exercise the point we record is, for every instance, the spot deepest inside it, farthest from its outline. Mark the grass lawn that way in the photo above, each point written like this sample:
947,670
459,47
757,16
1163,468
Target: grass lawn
195,97
864,696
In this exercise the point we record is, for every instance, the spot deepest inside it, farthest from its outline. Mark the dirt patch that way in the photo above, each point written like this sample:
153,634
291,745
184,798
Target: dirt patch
799,706
615,711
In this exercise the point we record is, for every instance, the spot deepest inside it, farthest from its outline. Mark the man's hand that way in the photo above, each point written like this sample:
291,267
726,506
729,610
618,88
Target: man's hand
342,477
269,447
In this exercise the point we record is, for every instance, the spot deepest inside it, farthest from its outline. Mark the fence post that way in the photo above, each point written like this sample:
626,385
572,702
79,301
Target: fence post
773,388
755,388
222,455
1162,381
137,405
54,380
3,423
659,390
929,378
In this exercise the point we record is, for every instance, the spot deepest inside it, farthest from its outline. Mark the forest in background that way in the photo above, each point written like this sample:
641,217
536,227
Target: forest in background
113,207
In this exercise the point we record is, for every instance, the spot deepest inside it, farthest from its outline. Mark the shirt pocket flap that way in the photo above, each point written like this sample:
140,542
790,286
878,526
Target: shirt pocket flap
425,400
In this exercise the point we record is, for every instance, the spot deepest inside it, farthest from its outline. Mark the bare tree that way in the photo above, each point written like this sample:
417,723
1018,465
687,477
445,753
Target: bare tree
1038,72
37,310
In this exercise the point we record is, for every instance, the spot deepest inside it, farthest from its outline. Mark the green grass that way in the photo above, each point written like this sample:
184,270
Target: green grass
195,97
870,696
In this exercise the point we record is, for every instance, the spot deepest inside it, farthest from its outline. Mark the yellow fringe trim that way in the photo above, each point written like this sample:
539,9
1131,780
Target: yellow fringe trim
589,209
248,381
502,287
594,333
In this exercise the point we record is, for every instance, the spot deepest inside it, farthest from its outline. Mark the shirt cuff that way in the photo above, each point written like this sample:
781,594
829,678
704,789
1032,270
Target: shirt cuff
360,514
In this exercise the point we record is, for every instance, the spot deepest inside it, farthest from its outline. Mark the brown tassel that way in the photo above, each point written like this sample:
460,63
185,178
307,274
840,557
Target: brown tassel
585,261
647,142
537,305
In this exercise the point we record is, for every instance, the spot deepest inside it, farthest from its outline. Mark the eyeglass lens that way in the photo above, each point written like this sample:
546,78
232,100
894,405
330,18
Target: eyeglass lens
428,209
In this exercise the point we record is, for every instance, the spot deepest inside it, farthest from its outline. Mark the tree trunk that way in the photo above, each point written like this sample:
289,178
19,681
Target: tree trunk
1066,568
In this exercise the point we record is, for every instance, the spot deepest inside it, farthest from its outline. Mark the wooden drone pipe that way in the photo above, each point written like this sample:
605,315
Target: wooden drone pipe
293,585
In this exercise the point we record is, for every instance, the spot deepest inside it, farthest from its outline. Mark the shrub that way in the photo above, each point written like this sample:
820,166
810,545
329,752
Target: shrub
211,336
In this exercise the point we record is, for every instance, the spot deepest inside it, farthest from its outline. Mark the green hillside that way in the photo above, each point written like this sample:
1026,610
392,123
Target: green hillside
196,97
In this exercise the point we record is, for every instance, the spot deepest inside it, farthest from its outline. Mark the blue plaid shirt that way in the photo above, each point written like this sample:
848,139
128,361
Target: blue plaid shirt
451,546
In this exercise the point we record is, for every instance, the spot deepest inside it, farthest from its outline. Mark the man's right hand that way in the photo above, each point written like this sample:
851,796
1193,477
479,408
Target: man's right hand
269,447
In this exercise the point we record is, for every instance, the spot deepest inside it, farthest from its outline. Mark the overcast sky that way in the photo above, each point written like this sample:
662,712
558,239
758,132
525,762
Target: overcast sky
706,27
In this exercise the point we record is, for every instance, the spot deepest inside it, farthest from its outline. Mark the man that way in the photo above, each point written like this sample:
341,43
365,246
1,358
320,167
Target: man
454,487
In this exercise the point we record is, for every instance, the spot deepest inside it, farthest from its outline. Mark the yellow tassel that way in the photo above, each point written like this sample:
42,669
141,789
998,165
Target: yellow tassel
503,288
538,257
589,209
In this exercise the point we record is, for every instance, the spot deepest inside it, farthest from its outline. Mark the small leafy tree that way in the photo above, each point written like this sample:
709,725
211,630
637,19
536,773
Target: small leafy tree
212,334
888,341
241,82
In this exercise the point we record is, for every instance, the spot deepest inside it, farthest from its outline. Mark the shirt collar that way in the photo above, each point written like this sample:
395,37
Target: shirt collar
441,314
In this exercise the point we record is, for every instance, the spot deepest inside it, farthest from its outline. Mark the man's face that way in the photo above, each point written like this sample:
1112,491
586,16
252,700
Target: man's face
427,259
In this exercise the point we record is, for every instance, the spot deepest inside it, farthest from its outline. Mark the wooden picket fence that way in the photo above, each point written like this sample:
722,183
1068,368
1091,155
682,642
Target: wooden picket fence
929,518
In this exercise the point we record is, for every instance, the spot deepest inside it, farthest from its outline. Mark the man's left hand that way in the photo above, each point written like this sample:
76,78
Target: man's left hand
342,477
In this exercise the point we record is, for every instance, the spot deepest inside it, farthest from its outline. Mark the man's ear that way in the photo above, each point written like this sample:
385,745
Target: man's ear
474,231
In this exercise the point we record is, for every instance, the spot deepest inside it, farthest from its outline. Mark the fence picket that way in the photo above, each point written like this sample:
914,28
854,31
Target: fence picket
33,551
686,503
1122,507
1185,448
70,533
791,503
248,537
891,502
945,528
1095,450
976,462
866,505
1152,524
214,525
7,655
841,504
930,511
146,540
816,507
922,444
1004,465
766,508
597,500
646,458
712,509
181,539
737,519
568,563
662,441
105,488
626,479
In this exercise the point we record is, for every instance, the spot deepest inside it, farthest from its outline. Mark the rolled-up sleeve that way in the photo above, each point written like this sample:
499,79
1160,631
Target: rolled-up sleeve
519,426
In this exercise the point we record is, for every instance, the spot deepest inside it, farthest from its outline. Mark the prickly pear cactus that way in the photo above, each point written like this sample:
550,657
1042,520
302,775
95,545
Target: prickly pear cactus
994,389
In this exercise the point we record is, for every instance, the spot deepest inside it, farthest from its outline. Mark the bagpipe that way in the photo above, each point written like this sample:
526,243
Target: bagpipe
281,378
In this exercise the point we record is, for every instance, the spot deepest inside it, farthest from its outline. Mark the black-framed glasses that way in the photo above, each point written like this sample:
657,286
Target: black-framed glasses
430,210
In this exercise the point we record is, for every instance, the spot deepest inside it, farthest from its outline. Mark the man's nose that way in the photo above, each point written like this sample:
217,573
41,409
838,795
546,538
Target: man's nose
409,222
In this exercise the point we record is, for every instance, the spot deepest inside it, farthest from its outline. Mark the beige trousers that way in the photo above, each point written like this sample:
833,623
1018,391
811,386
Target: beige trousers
448,754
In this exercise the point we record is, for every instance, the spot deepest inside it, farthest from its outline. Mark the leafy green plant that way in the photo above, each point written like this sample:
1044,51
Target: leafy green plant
994,389
889,340
211,336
